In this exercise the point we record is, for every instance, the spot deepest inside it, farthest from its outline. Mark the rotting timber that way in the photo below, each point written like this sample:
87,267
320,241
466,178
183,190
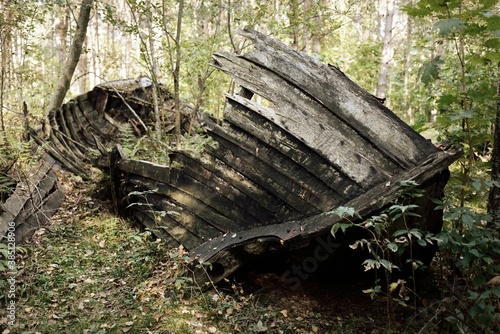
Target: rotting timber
298,140
33,201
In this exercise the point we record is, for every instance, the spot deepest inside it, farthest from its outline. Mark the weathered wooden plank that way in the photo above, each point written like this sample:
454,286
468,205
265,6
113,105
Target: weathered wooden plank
196,170
57,137
265,176
240,112
291,233
312,190
39,217
15,203
196,206
170,226
65,133
117,154
103,129
60,143
194,224
309,121
273,205
34,199
148,169
69,164
73,132
149,223
101,100
384,193
343,98
37,194
95,119
213,199
82,124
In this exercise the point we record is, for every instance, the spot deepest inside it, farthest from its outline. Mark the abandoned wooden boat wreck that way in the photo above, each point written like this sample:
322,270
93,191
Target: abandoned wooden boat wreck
32,202
298,140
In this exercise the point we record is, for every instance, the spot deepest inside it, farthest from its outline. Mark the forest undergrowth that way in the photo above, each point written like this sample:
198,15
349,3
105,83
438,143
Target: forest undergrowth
90,271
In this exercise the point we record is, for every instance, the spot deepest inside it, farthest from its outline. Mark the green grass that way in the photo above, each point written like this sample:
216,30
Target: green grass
92,272
102,275
98,275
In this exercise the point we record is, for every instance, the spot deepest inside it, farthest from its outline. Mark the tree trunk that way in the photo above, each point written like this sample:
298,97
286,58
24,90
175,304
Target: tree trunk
72,60
177,75
494,198
5,51
387,51
83,69
316,37
96,70
153,65
293,18
61,18
407,98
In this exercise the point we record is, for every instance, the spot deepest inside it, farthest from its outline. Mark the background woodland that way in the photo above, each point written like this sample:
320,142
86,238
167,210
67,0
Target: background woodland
435,62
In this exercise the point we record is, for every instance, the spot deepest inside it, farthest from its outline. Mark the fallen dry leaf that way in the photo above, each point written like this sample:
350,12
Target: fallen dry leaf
494,281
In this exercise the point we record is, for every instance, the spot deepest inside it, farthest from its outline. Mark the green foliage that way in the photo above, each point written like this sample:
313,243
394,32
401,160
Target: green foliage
461,82
7,186
127,139
429,71
448,26
390,245
471,246
3,269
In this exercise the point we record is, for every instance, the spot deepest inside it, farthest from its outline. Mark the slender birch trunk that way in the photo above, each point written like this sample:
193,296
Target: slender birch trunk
177,75
387,51
71,62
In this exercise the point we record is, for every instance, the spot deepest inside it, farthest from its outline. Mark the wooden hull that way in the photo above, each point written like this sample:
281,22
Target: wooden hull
33,202
299,140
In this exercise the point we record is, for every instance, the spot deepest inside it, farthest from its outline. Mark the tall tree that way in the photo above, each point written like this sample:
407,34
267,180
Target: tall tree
176,73
387,51
494,196
72,60
407,59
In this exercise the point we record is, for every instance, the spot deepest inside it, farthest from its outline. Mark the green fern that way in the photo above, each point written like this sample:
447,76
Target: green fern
7,186
127,139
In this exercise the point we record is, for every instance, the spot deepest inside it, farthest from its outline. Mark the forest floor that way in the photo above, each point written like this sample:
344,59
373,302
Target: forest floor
90,271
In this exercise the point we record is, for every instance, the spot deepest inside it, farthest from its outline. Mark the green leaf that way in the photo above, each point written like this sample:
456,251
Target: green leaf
462,115
388,265
476,253
447,99
475,310
426,8
493,43
393,247
496,290
344,212
449,26
429,71
416,233
488,3
485,295
468,219
422,242
479,280
493,22
493,56
342,226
